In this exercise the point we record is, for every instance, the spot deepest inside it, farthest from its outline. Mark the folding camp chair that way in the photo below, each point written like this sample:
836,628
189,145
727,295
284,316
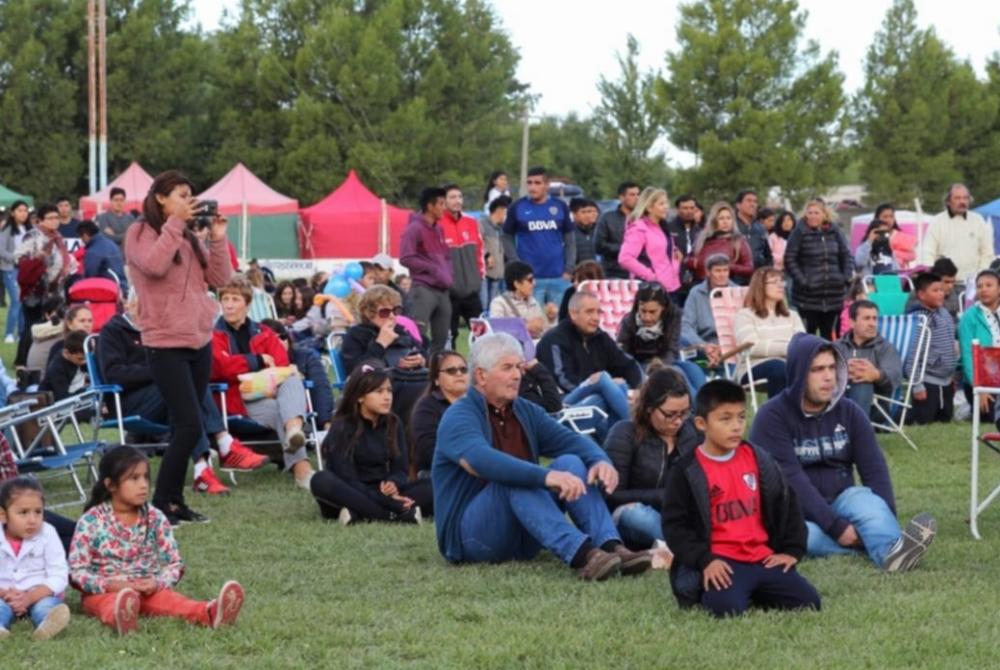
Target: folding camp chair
615,297
905,333
985,381
725,302
59,459
886,291
333,343
134,423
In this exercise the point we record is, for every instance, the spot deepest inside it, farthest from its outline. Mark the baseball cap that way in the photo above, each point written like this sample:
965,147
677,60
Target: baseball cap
384,261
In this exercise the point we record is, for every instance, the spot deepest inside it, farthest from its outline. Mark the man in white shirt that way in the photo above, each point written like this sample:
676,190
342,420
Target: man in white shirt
959,234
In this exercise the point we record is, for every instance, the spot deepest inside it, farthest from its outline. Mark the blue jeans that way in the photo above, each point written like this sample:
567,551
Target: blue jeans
148,403
872,519
639,525
774,372
693,373
604,393
14,317
504,523
863,395
37,612
489,289
550,290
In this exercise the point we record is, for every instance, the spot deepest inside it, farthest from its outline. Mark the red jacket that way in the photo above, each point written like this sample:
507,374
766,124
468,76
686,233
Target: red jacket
228,363
740,264
463,231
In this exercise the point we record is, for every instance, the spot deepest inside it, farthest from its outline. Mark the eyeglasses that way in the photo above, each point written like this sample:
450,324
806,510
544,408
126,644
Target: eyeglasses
775,282
671,417
653,287
386,312
456,370
370,368
529,279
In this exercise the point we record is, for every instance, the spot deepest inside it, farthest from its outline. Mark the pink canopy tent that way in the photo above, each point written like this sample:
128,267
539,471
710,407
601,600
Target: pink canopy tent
351,222
134,180
253,207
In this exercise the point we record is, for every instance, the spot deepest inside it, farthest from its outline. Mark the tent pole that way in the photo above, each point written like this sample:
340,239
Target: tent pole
920,227
102,54
92,94
383,235
245,241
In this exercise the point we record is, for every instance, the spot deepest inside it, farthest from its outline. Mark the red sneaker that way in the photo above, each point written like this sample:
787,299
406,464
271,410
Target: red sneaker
223,610
242,459
126,611
208,483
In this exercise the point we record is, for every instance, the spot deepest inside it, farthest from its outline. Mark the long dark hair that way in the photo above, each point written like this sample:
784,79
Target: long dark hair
492,182
434,368
152,211
366,378
779,219
281,308
115,464
659,386
10,222
654,292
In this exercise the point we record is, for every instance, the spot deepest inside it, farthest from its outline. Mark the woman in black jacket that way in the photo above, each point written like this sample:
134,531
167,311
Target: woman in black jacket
818,259
652,330
643,450
449,380
380,338
366,475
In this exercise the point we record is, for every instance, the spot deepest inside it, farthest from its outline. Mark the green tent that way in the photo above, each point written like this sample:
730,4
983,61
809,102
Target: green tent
9,197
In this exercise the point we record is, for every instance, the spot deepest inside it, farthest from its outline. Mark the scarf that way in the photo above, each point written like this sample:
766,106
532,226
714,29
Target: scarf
55,240
649,333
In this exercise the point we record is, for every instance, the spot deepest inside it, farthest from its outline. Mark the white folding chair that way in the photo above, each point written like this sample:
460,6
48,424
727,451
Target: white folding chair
985,381
725,302
905,333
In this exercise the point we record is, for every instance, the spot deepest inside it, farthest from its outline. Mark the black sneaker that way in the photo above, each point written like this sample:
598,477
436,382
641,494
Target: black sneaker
179,513
912,544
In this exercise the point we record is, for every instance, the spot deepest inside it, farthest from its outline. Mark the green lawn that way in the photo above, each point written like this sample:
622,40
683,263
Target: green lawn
319,595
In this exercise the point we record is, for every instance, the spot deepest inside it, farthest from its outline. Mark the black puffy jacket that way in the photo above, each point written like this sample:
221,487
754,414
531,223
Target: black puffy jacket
643,466
819,262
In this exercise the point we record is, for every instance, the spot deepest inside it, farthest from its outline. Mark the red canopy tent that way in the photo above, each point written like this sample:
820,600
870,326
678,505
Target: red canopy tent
262,221
134,180
351,222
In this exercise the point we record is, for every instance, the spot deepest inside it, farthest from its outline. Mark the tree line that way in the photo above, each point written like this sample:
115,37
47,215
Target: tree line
410,92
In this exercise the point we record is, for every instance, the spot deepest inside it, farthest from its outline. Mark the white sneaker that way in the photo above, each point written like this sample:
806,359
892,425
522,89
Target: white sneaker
9,339
344,518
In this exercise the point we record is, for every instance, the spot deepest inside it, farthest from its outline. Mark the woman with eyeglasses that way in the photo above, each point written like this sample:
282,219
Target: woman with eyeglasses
643,449
519,299
449,380
767,323
652,331
645,235
380,337
366,476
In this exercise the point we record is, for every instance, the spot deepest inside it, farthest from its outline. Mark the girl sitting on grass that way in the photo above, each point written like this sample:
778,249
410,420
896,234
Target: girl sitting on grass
32,561
124,558
365,452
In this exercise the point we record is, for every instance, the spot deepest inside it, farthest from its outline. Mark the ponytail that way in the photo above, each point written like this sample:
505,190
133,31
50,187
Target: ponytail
114,465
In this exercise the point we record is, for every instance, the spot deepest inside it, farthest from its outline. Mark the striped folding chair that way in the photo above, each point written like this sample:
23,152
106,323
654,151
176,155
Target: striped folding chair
615,296
904,332
725,302
985,381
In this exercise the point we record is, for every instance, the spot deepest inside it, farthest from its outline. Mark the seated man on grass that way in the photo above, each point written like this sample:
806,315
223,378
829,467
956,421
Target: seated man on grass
820,441
495,502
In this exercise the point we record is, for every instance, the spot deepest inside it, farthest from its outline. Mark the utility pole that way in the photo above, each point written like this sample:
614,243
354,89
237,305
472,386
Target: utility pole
102,38
92,93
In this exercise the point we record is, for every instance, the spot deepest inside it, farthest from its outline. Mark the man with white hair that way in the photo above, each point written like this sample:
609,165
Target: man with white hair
493,500
959,234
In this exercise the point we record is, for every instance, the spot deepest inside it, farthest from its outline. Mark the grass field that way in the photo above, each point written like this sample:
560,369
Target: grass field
380,596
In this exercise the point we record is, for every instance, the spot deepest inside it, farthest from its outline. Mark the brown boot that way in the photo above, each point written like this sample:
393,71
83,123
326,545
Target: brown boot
633,562
599,566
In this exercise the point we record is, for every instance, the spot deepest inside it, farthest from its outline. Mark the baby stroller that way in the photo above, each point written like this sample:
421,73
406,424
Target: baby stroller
100,295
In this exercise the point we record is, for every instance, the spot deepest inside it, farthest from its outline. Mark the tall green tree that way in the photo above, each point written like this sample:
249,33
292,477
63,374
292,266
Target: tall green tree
923,120
41,148
755,105
630,124
571,148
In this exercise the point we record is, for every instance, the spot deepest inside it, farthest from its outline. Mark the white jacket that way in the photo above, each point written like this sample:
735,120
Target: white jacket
41,562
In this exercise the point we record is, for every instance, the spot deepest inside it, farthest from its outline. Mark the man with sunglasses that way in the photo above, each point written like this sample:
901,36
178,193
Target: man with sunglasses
425,254
540,232
494,500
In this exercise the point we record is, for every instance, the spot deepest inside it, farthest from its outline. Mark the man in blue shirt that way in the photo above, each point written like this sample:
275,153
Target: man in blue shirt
540,232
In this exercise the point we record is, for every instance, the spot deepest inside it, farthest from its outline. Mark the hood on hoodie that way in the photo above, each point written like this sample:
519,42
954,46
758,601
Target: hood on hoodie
801,352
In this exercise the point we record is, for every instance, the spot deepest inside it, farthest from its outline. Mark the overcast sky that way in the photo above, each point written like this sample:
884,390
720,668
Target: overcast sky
567,45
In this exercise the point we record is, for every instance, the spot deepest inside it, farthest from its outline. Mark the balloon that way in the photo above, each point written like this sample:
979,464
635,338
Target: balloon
354,271
338,286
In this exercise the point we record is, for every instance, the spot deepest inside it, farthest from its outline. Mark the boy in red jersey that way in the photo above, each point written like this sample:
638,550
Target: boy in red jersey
731,520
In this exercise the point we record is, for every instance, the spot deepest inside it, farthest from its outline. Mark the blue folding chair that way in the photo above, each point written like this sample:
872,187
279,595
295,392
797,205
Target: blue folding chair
134,423
904,332
333,343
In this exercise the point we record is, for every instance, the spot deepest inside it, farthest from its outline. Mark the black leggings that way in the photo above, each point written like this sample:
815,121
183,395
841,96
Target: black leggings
365,502
181,375
819,323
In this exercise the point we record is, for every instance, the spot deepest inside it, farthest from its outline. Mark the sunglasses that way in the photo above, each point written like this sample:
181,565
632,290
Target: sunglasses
456,370
386,312
530,280
652,287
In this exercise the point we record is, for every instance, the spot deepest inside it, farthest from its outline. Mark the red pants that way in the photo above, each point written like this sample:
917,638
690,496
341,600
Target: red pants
162,603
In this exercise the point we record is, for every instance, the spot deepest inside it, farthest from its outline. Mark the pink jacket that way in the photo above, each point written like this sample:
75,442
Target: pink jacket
175,309
777,244
904,248
641,235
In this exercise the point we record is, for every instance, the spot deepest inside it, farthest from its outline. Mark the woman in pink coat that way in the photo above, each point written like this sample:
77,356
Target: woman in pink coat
643,232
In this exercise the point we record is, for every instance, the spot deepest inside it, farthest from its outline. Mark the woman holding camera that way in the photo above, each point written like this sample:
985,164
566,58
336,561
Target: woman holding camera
172,271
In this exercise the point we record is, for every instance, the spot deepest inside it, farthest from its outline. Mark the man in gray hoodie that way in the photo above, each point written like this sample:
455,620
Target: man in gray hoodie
873,365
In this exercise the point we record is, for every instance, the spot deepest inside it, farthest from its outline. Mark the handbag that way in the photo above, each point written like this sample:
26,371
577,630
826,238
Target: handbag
264,383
